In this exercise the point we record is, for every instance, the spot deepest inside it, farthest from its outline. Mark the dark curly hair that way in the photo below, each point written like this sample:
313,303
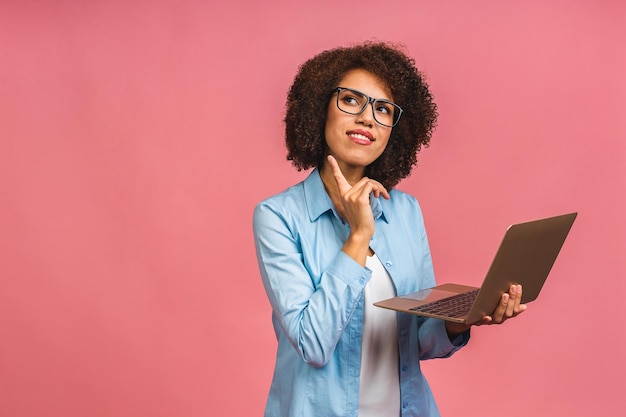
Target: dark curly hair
309,95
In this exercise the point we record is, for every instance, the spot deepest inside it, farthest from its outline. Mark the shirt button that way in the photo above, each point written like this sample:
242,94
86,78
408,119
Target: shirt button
405,404
362,281
404,368
403,332
389,264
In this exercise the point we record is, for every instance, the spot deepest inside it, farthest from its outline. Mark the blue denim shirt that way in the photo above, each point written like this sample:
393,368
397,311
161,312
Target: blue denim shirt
316,293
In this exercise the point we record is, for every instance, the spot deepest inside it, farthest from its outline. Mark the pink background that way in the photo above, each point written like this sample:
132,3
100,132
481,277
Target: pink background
136,137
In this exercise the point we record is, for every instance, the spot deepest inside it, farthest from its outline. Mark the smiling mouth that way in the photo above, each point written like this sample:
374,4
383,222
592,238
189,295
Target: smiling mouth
361,136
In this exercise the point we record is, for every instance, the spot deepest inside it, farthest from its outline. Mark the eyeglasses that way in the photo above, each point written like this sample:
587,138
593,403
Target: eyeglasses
352,101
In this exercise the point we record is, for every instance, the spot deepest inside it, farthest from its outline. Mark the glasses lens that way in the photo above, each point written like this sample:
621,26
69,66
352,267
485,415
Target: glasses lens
354,102
384,112
351,101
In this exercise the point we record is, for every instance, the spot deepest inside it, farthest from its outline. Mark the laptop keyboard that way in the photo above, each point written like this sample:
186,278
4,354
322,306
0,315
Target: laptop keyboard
455,306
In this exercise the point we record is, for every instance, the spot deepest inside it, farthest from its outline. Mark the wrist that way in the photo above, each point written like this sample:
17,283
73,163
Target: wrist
455,329
357,247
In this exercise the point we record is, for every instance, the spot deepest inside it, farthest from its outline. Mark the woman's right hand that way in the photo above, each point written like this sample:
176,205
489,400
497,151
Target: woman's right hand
357,211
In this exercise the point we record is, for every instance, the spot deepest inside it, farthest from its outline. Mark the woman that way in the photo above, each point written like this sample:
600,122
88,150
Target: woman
343,238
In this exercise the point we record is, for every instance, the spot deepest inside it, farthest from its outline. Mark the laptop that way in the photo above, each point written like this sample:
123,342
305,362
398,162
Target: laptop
525,256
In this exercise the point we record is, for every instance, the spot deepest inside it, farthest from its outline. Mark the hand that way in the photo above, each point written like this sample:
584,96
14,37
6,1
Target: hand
353,203
510,305
355,200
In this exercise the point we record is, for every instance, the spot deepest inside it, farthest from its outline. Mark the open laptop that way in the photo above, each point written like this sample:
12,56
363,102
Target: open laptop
524,257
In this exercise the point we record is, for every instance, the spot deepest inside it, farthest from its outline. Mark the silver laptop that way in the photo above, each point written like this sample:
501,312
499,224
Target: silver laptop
525,257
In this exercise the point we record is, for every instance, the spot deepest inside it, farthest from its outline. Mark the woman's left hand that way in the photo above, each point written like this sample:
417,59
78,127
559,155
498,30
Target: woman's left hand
510,305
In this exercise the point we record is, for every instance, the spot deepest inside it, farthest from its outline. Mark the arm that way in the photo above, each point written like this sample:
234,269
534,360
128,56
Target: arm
312,303
314,292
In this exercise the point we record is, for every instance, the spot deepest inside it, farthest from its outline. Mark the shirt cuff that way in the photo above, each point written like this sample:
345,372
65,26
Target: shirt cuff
461,339
350,271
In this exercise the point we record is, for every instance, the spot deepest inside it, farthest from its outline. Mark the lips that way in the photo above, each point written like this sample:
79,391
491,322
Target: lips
360,136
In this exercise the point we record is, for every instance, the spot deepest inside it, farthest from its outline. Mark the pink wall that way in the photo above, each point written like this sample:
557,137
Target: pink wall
136,137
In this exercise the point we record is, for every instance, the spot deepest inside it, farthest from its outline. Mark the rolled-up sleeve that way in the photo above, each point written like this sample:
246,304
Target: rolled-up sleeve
434,341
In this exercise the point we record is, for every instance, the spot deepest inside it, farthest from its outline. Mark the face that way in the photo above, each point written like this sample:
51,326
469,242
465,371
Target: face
357,140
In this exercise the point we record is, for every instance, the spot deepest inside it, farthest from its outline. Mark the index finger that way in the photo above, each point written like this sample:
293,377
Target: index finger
342,183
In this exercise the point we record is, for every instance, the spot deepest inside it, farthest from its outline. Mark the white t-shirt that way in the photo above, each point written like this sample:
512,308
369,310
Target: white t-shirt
379,391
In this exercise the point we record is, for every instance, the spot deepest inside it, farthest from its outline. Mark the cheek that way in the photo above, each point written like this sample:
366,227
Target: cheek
331,118
333,121
384,137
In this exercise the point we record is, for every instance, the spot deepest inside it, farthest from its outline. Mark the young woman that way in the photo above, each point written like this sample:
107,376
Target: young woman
343,238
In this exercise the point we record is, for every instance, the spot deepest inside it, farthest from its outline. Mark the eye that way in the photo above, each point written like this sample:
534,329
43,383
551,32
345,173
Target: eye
384,108
350,99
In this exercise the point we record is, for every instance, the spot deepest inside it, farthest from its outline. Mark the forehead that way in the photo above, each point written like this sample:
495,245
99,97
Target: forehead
366,82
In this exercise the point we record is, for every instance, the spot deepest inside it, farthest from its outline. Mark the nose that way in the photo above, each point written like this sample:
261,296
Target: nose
366,117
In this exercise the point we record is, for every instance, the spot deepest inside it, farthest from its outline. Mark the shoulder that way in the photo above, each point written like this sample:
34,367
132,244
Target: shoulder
401,201
402,196
290,200
306,200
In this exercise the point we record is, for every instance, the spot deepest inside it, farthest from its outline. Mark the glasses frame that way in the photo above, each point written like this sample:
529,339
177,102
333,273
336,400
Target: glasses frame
372,101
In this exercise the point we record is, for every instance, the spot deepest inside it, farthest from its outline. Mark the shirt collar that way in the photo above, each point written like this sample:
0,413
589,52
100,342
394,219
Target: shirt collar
318,201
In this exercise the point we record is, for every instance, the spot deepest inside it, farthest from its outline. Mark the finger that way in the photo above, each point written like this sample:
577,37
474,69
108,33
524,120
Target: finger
342,183
518,301
362,190
485,320
371,186
514,298
522,307
358,195
516,306
383,191
498,314
379,189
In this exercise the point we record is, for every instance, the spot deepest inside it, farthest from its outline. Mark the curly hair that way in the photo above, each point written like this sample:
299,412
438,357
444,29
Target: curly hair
309,95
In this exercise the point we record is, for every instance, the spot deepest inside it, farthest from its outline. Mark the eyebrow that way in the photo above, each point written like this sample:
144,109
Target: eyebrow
361,92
